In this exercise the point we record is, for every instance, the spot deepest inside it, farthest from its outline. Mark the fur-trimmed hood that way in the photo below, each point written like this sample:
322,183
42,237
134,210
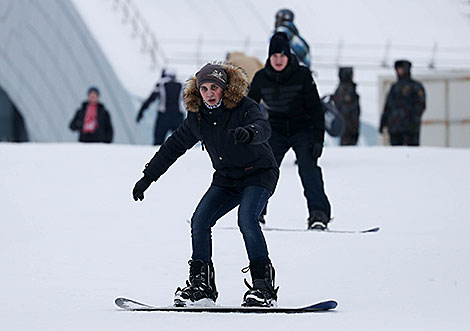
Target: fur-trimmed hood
237,88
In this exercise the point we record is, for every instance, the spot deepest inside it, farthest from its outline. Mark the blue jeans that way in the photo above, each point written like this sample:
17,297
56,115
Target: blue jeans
309,171
217,202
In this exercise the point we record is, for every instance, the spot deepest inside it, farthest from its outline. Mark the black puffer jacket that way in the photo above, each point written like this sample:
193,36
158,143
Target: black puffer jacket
291,98
236,165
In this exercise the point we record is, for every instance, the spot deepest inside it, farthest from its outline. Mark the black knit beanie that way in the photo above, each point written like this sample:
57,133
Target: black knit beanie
279,44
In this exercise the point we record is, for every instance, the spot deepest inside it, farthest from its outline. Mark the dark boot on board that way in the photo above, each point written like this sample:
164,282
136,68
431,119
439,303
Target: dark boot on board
200,289
318,220
263,292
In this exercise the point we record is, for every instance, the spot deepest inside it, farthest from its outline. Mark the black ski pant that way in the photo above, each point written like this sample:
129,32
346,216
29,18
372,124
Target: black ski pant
404,139
309,171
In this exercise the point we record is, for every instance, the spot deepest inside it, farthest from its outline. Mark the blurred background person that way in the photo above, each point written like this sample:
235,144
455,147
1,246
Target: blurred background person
92,120
168,91
404,106
346,101
284,22
250,64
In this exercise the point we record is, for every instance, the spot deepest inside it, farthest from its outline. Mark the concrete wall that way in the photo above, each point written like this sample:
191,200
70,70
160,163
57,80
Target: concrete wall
48,59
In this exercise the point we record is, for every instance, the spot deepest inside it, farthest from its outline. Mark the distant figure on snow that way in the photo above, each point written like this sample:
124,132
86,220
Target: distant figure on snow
170,113
284,22
347,102
92,120
405,104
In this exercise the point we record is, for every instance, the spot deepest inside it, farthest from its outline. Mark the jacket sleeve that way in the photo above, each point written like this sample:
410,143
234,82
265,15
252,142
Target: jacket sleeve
256,121
255,91
108,128
153,96
176,145
420,104
313,103
386,112
77,122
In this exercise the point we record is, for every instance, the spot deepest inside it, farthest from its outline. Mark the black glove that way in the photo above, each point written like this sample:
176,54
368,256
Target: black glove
381,128
139,117
242,135
317,150
140,187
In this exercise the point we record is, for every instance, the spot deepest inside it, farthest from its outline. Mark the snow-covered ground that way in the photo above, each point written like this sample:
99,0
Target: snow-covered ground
72,239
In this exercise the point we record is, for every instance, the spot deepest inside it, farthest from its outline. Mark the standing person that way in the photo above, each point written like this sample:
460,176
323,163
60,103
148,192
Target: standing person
284,22
92,120
170,114
347,102
406,102
235,133
287,90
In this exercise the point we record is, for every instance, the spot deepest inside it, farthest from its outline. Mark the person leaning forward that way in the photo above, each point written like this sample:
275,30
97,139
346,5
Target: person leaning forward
235,133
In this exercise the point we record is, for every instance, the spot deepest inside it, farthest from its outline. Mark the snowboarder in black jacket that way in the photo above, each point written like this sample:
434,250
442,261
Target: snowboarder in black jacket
235,133
92,120
287,90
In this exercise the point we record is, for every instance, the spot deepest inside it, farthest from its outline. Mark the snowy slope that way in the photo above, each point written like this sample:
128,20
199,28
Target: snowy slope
72,240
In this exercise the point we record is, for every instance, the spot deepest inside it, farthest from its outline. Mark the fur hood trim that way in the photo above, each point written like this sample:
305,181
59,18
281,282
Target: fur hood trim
237,88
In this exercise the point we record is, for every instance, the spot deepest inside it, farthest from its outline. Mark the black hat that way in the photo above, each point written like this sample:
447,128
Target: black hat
93,89
345,74
279,44
405,64
283,15
213,73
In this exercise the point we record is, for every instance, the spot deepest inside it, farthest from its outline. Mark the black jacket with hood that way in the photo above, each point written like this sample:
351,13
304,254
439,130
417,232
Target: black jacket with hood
236,164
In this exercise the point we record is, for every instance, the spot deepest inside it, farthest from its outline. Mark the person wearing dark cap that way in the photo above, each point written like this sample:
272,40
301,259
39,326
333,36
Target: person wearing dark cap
284,22
92,120
169,111
235,133
346,101
287,90
404,107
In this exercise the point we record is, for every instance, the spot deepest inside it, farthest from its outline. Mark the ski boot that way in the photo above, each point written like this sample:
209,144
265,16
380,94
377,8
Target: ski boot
200,289
262,293
318,220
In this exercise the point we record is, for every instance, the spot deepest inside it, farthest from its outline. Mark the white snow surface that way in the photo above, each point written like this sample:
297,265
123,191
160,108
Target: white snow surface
72,240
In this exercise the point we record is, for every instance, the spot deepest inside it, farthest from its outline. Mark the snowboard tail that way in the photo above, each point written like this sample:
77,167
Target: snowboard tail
132,305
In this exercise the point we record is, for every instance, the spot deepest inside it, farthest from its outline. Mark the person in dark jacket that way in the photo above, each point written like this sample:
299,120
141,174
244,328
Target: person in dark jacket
406,102
347,102
92,120
287,90
170,115
235,133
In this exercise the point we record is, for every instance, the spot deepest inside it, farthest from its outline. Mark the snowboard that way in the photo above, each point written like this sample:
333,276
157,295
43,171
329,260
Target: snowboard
132,305
270,228
334,119
371,230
